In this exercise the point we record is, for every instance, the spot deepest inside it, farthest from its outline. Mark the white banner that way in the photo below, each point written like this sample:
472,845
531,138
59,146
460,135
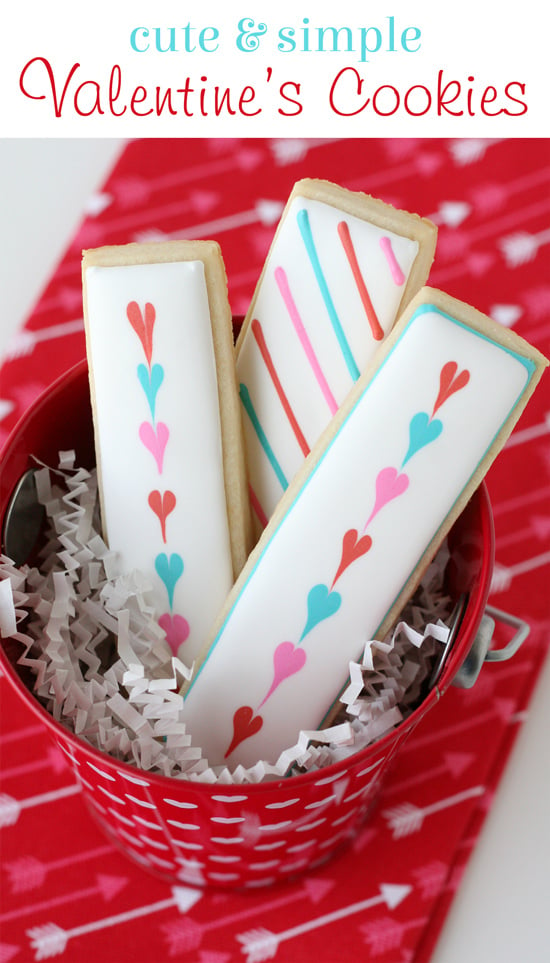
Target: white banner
242,68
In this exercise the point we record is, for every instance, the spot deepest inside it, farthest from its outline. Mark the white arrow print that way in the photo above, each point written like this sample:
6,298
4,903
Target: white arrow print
106,886
261,944
97,203
196,202
470,150
528,434
28,873
294,150
501,709
8,951
503,575
266,212
19,734
408,818
50,940
506,314
11,809
522,247
128,190
423,163
24,342
454,764
480,262
451,213
186,935
387,934
53,760
520,501
538,528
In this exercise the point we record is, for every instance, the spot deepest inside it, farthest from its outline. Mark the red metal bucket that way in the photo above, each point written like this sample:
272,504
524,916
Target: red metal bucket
248,835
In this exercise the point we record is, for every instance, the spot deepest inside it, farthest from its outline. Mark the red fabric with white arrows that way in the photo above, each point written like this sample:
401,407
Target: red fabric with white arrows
69,894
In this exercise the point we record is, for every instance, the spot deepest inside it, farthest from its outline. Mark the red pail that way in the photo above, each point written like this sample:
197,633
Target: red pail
219,835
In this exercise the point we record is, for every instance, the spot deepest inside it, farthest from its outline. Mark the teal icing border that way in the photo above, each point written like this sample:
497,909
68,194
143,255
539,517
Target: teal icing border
527,363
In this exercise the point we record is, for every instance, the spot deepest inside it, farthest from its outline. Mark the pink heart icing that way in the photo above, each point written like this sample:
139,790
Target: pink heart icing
389,485
287,660
176,629
155,440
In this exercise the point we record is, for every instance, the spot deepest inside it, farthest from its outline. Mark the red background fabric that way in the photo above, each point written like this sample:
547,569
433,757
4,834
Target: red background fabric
491,202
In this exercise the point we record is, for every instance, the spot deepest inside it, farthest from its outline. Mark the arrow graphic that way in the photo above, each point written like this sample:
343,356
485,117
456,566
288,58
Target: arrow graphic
505,314
470,150
522,247
503,575
262,944
423,163
28,872
291,151
520,501
387,934
527,434
8,951
451,213
11,809
185,935
24,342
51,940
18,734
454,764
538,528
501,709
106,886
53,760
266,212
131,190
492,196
407,818
94,233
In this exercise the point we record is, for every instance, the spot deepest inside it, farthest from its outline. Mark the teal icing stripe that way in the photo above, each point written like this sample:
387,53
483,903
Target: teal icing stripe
428,308
307,237
422,309
262,437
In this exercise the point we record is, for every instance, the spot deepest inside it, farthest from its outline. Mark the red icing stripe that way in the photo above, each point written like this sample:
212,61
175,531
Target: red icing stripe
268,361
347,243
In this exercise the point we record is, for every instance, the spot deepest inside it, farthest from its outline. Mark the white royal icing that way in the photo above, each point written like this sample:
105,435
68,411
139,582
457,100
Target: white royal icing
158,436
313,391
391,474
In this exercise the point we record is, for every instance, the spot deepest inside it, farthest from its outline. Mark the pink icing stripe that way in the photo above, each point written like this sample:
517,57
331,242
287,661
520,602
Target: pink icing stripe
396,272
282,283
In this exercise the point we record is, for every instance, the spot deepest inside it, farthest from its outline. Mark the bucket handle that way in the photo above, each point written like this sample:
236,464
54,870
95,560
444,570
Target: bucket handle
480,653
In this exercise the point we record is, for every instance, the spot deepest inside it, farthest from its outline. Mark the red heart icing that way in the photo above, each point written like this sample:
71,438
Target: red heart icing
176,629
353,548
162,505
245,725
143,326
450,382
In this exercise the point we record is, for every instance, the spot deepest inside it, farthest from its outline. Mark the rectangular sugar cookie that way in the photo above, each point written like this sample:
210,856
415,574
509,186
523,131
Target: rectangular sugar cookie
167,426
341,268
355,531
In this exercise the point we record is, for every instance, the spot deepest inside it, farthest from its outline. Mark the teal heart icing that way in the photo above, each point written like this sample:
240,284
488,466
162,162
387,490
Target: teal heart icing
150,382
321,604
169,570
422,432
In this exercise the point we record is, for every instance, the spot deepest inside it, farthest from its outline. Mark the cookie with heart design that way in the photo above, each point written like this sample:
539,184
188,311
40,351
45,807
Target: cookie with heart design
353,534
167,426
341,268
